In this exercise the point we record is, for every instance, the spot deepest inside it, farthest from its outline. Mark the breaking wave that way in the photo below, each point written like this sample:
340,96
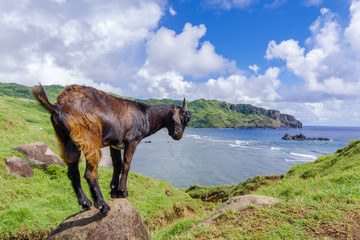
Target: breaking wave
304,155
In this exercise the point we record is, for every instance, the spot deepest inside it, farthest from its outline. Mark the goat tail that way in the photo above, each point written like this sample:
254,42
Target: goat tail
40,95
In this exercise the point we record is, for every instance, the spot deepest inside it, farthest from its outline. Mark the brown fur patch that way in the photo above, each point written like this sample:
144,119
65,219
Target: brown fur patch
86,132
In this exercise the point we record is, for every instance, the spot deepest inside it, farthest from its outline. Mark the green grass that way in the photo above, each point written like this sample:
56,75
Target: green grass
320,200
31,207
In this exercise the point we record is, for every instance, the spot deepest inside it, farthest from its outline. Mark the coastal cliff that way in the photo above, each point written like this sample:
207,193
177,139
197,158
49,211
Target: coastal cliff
217,114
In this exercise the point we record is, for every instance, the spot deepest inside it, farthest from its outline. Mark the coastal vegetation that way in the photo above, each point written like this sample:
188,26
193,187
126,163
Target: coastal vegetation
204,113
320,199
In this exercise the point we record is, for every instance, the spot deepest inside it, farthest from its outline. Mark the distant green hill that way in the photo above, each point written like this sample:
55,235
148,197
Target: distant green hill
205,113
21,91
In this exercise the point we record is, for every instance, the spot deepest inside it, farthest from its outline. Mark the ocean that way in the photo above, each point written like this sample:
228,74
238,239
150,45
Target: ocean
209,157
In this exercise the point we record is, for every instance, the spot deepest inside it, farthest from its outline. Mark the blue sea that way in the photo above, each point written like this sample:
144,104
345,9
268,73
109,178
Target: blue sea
211,157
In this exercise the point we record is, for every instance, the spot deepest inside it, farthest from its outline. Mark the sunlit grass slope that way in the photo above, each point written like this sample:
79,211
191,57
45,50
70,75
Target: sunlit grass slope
31,207
321,200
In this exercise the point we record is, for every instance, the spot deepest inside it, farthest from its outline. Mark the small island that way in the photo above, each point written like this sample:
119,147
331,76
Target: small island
303,138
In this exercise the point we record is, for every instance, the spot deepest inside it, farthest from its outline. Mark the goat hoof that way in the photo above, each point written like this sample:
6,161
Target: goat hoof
105,209
123,194
86,205
114,193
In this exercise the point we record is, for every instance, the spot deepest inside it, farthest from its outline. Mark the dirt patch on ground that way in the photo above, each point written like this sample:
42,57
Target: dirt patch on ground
169,217
273,179
214,197
349,229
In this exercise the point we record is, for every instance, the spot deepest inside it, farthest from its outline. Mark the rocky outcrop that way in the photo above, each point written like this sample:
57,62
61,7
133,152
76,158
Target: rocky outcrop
284,120
281,120
38,154
18,167
303,138
122,222
238,204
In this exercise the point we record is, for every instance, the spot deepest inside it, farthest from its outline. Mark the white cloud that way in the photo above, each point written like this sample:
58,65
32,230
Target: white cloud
258,90
238,88
174,57
254,67
352,32
184,53
168,84
101,41
329,66
172,11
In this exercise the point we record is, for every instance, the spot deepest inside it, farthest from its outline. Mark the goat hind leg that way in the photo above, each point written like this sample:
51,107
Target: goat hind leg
92,179
117,166
72,155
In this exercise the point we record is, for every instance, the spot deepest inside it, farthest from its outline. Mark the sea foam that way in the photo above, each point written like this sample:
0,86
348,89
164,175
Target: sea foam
304,155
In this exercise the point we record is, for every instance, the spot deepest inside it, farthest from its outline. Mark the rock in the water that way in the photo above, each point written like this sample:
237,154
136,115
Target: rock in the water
38,154
18,166
122,222
287,137
302,137
238,204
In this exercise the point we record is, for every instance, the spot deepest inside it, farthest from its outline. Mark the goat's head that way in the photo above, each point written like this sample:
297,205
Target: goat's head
180,117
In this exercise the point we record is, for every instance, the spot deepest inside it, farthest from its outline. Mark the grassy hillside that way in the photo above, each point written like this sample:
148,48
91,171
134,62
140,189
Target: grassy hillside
31,207
205,113
321,200
21,91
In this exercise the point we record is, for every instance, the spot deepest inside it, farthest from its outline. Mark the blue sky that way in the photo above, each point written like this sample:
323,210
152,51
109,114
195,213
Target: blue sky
300,57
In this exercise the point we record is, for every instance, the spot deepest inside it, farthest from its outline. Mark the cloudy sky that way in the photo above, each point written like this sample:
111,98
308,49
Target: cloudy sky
300,57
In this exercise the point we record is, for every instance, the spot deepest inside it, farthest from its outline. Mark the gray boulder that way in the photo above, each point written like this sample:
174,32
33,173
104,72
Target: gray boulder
18,166
122,222
38,154
238,204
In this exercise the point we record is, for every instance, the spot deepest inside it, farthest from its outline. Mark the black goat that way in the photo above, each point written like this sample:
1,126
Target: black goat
86,119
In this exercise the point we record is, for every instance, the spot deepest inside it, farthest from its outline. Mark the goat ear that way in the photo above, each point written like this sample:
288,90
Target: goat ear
184,104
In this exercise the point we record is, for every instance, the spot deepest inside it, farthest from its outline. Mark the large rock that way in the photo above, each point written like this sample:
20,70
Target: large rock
18,166
238,204
303,138
122,222
38,154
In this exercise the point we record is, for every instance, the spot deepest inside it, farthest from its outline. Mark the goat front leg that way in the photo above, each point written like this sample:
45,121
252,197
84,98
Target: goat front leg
91,177
117,166
128,154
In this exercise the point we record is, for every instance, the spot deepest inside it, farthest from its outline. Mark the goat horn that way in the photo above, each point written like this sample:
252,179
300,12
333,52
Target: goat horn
184,104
